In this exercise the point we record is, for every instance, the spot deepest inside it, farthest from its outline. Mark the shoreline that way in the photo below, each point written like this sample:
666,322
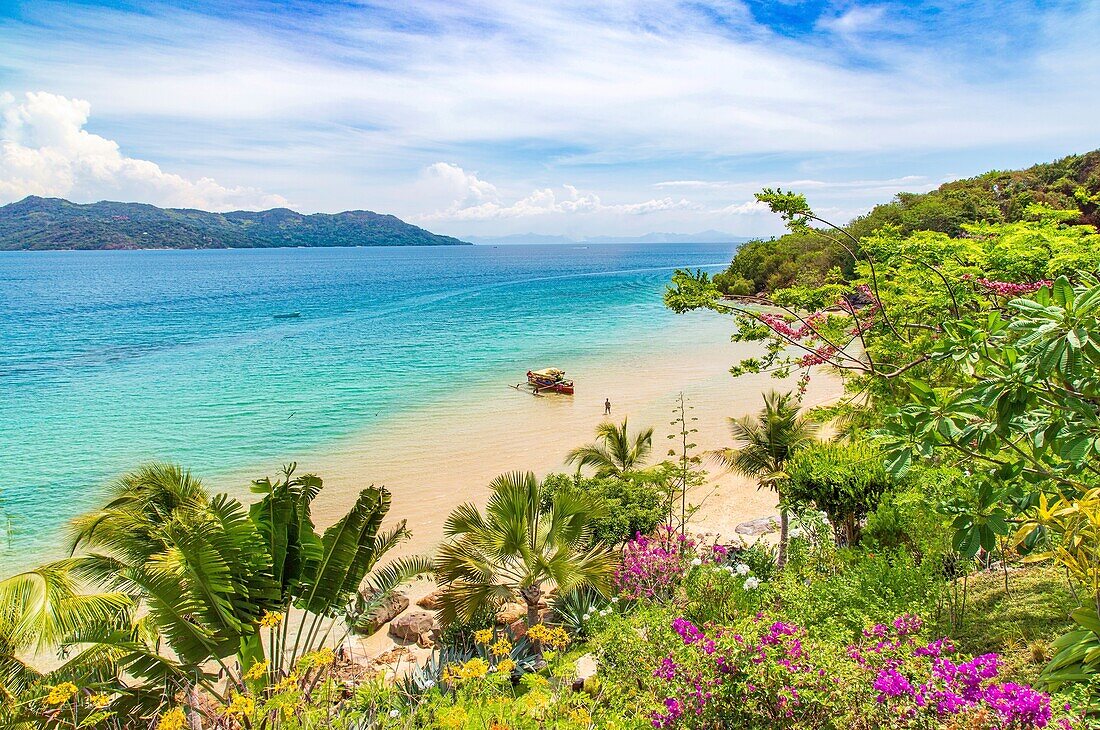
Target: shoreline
435,457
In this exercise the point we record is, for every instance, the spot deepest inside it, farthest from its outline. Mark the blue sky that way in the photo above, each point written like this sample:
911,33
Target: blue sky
579,118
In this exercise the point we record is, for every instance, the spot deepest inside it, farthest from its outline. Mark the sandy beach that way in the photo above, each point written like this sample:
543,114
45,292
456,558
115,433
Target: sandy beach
436,458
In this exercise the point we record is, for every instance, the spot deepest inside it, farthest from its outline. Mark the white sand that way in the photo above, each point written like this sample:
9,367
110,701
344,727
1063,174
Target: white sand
436,458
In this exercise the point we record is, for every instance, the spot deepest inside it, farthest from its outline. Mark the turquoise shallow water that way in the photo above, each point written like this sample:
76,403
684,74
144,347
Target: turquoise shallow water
108,359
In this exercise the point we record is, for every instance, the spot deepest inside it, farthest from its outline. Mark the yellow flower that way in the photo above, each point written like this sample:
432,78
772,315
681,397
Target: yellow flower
256,671
61,693
100,701
484,636
240,706
503,647
476,668
285,685
453,718
558,637
549,635
174,719
270,620
581,715
505,666
320,658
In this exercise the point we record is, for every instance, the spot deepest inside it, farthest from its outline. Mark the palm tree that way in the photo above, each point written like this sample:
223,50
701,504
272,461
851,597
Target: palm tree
615,451
207,573
764,444
45,608
517,549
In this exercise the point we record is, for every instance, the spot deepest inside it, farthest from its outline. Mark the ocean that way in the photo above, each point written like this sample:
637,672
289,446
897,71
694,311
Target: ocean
112,358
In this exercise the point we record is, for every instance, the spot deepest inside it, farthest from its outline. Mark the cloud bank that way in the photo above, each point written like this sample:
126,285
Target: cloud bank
344,105
45,150
474,199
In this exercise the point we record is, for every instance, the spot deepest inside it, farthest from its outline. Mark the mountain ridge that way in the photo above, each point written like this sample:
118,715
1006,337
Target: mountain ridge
43,224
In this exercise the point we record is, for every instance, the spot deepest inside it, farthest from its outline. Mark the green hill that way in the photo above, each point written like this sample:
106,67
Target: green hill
52,223
1001,196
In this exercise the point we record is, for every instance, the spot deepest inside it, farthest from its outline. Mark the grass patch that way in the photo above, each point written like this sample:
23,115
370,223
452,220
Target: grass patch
1019,625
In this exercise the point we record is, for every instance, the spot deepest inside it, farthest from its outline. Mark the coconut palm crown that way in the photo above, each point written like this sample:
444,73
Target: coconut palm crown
763,445
518,550
615,450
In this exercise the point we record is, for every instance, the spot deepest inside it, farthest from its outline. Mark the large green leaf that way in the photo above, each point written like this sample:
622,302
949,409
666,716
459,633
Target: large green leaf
347,548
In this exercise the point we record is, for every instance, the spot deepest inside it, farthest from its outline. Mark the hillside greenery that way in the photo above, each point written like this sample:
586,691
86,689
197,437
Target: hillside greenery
52,224
812,256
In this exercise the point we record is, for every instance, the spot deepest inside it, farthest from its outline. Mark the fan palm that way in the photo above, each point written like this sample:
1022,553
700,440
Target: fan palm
614,451
515,549
763,445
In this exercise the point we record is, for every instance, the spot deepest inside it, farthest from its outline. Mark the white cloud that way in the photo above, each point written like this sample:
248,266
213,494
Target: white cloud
475,199
858,19
45,150
749,207
465,187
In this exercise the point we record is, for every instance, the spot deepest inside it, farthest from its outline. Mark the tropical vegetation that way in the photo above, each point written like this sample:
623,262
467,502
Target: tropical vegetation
615,451
941,569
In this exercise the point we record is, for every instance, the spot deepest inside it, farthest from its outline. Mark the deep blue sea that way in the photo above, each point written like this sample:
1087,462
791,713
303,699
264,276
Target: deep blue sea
111,358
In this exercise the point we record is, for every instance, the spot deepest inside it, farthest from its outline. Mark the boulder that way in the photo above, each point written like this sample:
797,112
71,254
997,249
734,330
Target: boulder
383,614
432,601
411,626
759,526
586,667
509,613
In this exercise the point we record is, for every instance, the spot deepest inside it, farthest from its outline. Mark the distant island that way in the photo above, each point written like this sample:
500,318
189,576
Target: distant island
43,224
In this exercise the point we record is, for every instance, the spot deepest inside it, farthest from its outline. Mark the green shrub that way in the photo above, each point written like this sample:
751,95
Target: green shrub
843,592
906,516
637,502
843,480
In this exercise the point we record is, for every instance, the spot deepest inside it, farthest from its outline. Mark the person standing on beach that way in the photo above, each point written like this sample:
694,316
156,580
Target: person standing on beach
607,407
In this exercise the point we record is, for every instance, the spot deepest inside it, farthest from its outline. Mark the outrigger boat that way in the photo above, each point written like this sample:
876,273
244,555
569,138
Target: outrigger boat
548,380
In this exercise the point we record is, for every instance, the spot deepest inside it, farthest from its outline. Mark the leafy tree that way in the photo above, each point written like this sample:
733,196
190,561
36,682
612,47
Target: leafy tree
322,575
808,256
615,450
519,549
636,502
843,480
763,445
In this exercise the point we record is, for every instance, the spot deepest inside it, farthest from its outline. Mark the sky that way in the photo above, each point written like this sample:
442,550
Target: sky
619,117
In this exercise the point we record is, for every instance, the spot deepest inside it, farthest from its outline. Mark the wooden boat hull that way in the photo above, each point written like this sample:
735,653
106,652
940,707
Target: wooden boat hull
541,384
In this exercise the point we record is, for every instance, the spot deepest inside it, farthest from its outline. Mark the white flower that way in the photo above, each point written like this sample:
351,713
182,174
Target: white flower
603,612
587,616
395,713
751,584
696,561
743,569
728,569
614,599
429,684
